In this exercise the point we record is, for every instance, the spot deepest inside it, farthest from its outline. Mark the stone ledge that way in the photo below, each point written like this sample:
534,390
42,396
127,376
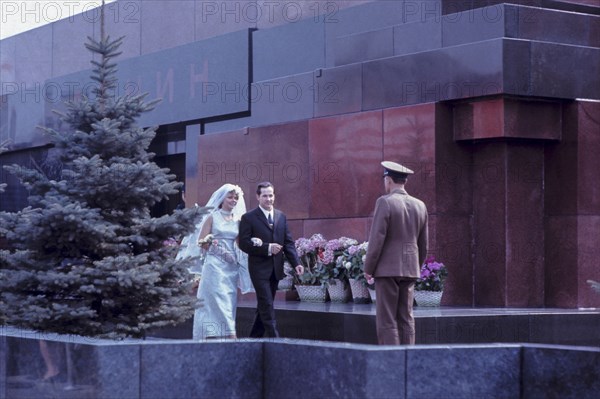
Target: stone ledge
276,368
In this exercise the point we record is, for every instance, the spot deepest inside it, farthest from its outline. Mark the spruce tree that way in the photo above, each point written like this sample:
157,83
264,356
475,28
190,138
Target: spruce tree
86,256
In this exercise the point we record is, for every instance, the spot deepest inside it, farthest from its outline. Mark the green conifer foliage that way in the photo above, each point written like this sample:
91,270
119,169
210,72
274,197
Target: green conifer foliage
86,256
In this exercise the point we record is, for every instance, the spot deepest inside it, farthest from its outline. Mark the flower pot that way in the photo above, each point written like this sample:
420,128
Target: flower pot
339,291
372,294
285,284
360,293
312,293
428,298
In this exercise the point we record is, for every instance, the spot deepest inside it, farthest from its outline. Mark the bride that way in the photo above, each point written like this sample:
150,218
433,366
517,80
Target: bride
222,265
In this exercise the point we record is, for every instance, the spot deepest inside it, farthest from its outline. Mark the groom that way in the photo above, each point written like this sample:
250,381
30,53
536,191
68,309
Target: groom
265,237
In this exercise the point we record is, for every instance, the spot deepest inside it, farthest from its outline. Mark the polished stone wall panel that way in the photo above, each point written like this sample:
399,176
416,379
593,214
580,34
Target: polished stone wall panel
345,154
338,91
158,17
565,329
282,100
453,166
368,17
502,117
588,162
212,369
3,374
364,46
525,245
370,369
122,18
460,72
288,50
357,228
588,251
68,43
421,35
276,13
214,18
224,158
489,231
474,25
560,372
549,64
561,247
409,139
453,248
485,329
499,367
567,28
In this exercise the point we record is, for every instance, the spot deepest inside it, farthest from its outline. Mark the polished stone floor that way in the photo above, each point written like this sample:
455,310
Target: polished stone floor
350,322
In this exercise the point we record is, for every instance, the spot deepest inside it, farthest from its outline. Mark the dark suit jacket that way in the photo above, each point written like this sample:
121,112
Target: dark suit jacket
260,264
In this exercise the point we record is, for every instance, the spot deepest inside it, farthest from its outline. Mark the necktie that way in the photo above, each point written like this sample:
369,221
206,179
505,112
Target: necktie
270,220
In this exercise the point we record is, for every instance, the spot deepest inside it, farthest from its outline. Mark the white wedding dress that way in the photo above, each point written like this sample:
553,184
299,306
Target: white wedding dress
217,292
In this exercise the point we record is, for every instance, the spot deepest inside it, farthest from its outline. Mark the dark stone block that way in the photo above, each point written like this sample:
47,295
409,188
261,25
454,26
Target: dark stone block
474,25
338,91
212,369
284,99
364,46
560,372
375,373
369,17
3,373
566,329
157,17
491,372
341,178
483,329
414,37
288,50
564,71
567,28
459,72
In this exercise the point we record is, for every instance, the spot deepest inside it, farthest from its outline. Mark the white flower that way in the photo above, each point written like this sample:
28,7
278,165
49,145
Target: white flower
348,265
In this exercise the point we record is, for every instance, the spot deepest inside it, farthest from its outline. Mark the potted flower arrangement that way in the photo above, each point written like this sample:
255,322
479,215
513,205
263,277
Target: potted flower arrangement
335,275
353,260
430,286
309,284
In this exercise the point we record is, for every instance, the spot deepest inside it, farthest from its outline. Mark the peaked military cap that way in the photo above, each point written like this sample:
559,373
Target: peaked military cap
394,169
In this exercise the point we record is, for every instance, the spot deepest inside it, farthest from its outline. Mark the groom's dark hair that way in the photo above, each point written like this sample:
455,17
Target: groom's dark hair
262,185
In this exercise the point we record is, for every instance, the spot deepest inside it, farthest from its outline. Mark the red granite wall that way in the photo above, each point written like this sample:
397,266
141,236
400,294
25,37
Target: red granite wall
508,184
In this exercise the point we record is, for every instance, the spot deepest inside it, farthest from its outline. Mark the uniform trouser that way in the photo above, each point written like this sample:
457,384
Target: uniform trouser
395,321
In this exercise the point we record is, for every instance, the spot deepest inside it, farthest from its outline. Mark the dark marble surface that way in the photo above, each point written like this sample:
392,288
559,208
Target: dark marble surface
560,372
338,90
287,165
214,369
288,50
276,368
414,37
549,64
370,371
464,367
367,17
347,152
158,17
364,46
459,72
283,99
